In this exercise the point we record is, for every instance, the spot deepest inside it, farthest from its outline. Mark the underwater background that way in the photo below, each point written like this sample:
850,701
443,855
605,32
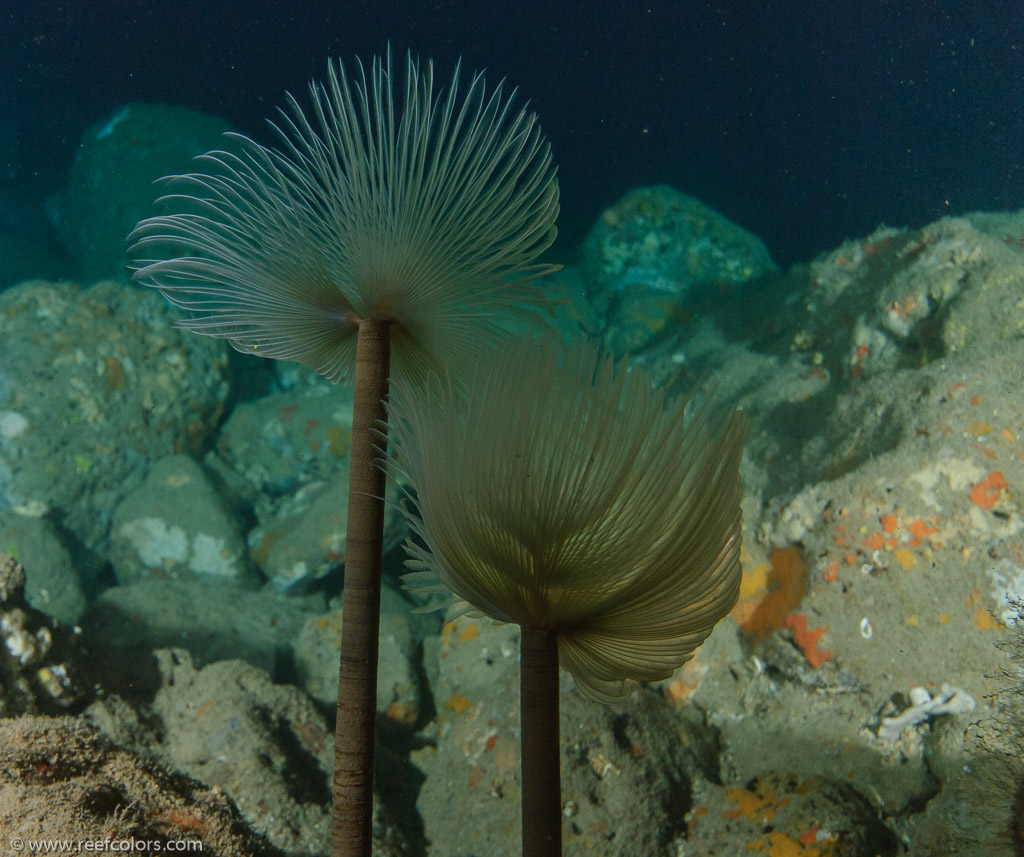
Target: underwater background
816,212
806,125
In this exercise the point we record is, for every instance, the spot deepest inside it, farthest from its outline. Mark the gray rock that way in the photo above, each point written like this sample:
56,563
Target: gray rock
283,441
398,690
229,726
626,770
54,586
292,450
265,744
176,525
307,537
901,298
212,622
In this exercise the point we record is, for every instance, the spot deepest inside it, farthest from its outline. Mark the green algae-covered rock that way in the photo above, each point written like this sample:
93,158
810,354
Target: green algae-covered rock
669,241
653,254
94,384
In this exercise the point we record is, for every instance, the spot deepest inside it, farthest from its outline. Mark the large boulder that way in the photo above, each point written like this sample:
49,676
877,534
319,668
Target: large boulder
654,254
111,186
94,384
176,525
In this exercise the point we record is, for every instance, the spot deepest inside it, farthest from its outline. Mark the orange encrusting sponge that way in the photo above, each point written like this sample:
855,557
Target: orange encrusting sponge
987,492
807,639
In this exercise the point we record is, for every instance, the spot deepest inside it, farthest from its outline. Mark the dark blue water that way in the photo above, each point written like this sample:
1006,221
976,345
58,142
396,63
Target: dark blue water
804,122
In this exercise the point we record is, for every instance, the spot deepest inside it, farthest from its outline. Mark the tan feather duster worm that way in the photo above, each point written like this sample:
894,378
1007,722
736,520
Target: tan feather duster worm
561,492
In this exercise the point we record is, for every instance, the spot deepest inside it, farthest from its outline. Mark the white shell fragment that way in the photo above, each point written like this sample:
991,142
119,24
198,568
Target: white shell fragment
924,706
